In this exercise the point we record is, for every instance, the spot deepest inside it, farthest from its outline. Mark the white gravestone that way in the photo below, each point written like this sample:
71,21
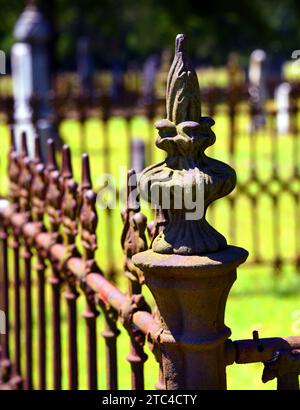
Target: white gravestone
22,90
257,87
257,58
282,96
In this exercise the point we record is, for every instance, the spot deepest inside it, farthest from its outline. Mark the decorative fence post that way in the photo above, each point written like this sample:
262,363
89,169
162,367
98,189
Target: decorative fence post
190,268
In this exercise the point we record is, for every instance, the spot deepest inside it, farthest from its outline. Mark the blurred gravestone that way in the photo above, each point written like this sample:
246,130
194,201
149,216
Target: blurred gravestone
282,96
137,155
2,62
33,29
257,88
22,91
149,77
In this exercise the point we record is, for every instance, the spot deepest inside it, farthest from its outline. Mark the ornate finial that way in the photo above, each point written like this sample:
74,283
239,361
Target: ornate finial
54,199
66,171
38,192
25,179
51,163
24,148
88,222
132,204
133,237
54,192
187,181
132,200
69,200
13,171
12,138
25,175
86,180
38,184
88,219
183,92
37,158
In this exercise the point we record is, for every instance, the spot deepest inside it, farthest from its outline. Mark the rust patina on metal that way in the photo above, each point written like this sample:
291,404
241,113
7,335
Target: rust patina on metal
133,241
190,268
85,270
55,193
189,278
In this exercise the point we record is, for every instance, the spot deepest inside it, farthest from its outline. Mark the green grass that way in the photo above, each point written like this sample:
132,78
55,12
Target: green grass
258,300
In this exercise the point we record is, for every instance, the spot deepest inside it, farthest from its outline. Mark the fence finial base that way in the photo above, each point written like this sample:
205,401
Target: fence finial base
191,294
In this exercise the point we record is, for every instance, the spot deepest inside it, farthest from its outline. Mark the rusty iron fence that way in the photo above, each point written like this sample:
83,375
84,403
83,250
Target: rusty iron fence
48,240
37,190
242,147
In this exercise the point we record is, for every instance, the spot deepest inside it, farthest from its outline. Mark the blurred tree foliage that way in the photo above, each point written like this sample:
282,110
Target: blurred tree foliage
129,30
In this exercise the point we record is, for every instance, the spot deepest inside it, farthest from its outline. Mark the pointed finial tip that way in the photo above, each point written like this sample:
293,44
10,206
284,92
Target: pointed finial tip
181,43
51,160
24,143
66,155
66,162
37,148
131,183
84,158
12,138
131,179
85,161
50,149
131,172
86,181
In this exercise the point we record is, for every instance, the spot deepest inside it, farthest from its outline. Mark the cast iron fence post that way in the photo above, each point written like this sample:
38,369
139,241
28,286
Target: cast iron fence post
190,268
